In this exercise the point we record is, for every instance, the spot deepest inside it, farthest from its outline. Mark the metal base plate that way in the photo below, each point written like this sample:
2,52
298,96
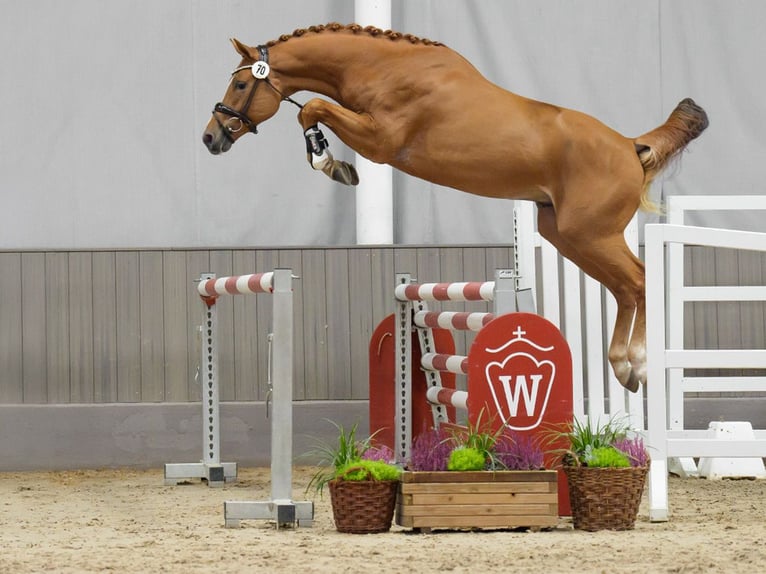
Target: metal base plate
282,512
215,474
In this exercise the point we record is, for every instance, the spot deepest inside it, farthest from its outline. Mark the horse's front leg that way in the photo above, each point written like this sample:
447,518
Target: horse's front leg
356,130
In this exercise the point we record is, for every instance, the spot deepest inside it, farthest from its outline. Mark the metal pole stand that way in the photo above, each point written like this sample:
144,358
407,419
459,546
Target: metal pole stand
281,508
210,468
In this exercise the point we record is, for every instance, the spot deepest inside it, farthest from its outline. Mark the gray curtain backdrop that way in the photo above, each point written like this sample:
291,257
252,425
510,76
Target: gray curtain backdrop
104,104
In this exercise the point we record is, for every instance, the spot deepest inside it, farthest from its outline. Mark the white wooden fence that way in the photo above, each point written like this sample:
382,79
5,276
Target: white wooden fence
667,358
584,312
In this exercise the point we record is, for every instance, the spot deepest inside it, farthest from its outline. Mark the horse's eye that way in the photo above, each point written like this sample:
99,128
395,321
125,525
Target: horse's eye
240,85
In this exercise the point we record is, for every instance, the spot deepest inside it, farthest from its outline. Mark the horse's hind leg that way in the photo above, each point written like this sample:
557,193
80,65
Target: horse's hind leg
608,260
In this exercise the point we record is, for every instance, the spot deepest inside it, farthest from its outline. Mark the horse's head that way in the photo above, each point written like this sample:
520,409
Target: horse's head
249,100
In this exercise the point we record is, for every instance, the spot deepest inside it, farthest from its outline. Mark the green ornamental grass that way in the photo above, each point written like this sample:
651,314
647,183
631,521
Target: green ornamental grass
598,444
347,452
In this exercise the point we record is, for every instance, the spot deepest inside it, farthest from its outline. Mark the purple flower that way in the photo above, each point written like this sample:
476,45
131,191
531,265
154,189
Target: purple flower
634,449
519,452
381,452
430,450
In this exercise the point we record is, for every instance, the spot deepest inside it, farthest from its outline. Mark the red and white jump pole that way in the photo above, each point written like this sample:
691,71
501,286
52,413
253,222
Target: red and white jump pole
412,296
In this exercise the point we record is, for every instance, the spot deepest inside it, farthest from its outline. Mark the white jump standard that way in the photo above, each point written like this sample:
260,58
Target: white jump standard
281,508
210,467
412,311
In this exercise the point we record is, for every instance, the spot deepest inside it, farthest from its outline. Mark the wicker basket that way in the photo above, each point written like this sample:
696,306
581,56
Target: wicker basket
363,506
605,498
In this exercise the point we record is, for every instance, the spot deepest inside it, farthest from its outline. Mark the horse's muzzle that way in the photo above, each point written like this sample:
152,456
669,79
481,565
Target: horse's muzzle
217,143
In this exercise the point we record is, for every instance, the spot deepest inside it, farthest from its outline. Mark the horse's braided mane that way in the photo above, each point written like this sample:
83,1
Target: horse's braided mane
356,29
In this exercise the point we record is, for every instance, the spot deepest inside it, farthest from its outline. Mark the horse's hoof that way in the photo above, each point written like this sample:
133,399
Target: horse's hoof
344,173
632,383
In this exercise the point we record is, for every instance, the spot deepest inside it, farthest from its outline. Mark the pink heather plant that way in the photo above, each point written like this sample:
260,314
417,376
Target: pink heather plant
381,452
431,450
519,452
634,449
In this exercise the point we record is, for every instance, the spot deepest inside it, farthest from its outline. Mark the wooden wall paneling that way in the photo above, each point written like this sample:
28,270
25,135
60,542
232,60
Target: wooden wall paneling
268,260
315,325
11,348
728,312
705,315
293,259
197,262
128,320
474,269
176,292
81,334
248,373
363,274
348,324
382,279
750,271
35,364
34,340
451,270
497,258
428,271
152,328
429,265
405,261
222,265
57,326
689,308
105,327
121,326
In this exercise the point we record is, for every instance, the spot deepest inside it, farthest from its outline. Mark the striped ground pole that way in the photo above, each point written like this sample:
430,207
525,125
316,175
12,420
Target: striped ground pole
457,364
237,285
458,320
469,291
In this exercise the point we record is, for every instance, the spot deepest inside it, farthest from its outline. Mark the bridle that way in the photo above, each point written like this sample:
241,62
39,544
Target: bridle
261,74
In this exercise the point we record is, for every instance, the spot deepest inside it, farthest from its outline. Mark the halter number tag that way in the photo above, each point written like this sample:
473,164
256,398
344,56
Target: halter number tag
261,70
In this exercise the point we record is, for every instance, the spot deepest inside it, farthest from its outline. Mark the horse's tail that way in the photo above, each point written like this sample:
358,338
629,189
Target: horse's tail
656,148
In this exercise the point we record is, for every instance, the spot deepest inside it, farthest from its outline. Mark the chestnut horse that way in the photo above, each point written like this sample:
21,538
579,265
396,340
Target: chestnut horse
422,108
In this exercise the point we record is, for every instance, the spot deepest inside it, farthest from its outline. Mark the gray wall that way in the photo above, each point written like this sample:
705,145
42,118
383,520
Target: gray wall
105,103
119,326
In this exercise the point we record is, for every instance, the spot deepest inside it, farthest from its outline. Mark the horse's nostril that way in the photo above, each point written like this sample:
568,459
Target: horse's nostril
207,139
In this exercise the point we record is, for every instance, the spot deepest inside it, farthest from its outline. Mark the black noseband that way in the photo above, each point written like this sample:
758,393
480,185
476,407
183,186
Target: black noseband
241,115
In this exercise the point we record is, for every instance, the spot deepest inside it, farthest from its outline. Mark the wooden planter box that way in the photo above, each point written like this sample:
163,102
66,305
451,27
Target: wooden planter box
481,499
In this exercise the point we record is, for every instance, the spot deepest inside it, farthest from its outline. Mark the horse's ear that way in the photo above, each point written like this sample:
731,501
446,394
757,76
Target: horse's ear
241,49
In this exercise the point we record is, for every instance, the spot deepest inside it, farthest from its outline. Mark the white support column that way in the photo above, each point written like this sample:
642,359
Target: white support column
282,392
374,194
281,509
656,435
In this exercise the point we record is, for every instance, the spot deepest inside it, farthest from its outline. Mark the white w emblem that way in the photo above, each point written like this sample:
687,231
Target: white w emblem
520,386
521,390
